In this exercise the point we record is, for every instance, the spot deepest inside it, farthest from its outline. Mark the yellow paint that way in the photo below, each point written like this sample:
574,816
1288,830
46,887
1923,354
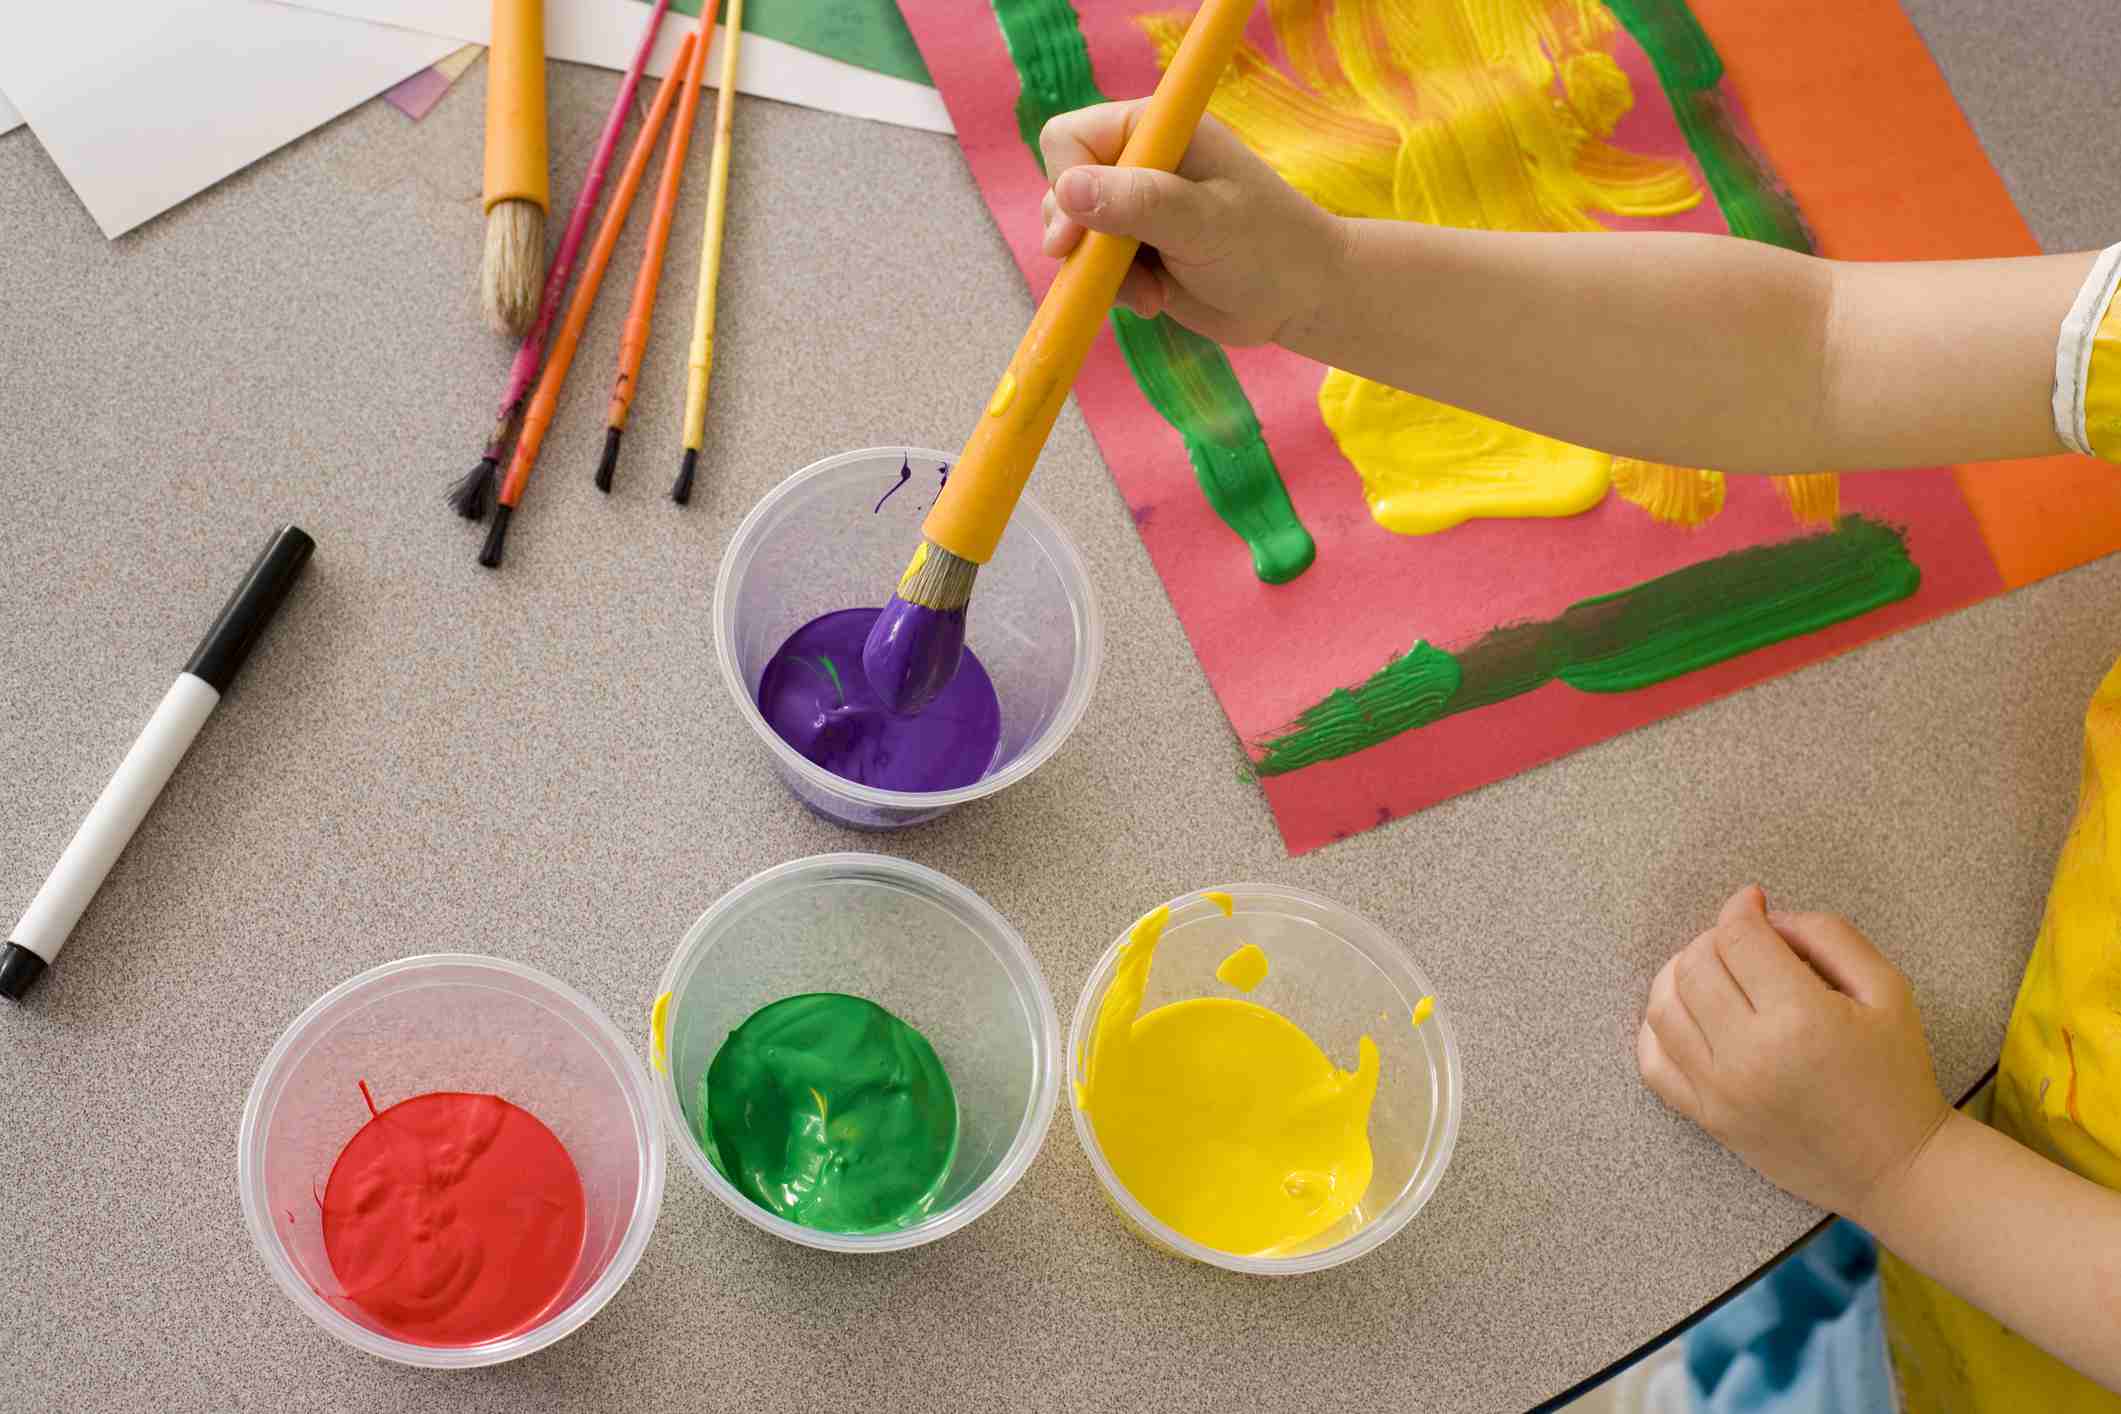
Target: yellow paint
658,1016
1814,499
1427,466
1244,969
1223,1118
1424,1009
1004,393
1221,900
1673,495
1476,113
913,567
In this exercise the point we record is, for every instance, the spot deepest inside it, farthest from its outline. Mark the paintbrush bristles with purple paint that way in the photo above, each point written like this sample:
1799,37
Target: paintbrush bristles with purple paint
468,497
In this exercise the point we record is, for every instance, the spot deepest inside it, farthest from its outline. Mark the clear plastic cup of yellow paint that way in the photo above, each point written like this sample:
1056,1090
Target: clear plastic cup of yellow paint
1339,978
836,535
920,945
449,1021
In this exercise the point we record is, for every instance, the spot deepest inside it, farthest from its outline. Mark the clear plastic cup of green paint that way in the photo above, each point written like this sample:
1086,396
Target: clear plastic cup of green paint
449,1021
1338,977
920,945
836,535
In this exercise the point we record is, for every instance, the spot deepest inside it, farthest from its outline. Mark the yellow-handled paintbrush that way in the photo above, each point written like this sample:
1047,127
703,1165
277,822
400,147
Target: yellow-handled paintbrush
700,361
913,650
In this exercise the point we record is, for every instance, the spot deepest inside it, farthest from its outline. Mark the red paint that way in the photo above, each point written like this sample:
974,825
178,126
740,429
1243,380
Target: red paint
453,1219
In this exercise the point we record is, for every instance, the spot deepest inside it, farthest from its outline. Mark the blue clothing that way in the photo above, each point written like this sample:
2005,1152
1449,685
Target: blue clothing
1806,1337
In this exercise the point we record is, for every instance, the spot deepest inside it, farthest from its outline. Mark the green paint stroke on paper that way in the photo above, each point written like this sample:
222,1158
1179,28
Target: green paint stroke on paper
1753,203
869,34
1410,691
1186,378
1651,633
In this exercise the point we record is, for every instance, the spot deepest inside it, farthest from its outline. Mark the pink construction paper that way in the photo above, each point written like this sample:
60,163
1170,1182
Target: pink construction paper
1271,650
416,97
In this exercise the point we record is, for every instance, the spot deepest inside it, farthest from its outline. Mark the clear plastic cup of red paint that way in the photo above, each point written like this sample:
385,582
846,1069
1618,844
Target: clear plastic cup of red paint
449,1022
836,535
1338,977
922,946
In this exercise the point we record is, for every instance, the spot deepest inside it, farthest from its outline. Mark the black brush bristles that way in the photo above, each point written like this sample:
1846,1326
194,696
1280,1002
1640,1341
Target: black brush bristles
491,555
468,497
610,460
681,489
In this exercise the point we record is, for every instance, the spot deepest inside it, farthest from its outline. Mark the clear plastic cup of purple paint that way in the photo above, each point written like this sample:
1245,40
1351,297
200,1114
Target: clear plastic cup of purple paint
836,535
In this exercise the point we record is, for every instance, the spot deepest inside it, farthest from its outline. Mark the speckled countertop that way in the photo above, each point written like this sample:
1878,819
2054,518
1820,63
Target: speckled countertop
544,765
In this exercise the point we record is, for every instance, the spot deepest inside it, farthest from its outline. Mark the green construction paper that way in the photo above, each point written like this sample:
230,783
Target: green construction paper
869,34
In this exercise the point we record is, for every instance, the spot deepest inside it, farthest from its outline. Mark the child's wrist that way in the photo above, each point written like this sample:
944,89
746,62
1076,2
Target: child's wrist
1307,328
1902,1200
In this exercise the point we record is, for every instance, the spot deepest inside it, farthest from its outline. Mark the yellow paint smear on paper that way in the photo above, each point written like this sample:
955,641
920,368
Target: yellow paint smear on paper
1244,969
1813,499
1223,1118
1427,466
1673,495
1494,114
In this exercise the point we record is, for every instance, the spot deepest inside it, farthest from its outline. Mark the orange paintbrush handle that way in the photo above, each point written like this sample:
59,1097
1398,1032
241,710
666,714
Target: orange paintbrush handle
517,168
538,415
633,339
970,514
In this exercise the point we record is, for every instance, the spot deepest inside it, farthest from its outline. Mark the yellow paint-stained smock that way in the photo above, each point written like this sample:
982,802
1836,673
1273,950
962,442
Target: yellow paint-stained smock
1221,1117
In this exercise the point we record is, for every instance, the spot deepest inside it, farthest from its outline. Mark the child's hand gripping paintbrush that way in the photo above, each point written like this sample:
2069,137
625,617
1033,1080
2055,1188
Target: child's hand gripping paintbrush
912,652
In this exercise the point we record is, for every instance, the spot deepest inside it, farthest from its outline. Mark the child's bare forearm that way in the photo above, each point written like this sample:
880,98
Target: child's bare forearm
1703,350
2026,1240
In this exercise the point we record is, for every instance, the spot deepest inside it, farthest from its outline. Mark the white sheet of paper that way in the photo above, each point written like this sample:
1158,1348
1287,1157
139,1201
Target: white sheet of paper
143,103
606,33
9,118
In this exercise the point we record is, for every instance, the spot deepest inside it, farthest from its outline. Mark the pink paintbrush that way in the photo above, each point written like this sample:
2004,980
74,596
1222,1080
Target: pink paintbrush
469,496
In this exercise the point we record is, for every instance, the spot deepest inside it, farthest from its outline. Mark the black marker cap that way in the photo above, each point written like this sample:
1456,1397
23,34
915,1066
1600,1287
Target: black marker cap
244,617
19,969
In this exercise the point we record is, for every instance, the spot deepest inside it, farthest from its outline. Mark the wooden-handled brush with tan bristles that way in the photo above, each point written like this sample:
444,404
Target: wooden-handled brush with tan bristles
518,176
912,651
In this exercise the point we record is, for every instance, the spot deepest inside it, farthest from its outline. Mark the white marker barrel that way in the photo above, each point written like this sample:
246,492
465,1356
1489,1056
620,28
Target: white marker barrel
115,815
146,769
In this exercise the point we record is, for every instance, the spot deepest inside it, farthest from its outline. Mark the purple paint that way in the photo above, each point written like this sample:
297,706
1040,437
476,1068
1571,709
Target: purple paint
905,474
817,698
912,654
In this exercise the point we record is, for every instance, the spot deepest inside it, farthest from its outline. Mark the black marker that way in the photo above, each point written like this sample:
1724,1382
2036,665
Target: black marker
36,941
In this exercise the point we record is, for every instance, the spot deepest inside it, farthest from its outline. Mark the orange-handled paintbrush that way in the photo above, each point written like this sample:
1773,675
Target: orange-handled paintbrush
913,650
538,415
640,315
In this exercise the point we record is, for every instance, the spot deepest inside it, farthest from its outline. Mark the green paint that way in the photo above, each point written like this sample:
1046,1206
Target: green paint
1189,381
829,1111
1186,378
869,34
1753,203
1718,609
1635,638
1410,691
834,673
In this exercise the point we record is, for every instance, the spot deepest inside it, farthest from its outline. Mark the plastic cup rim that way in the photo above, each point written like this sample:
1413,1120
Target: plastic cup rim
1065,720
1397,1214
1031,1129
640,1222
